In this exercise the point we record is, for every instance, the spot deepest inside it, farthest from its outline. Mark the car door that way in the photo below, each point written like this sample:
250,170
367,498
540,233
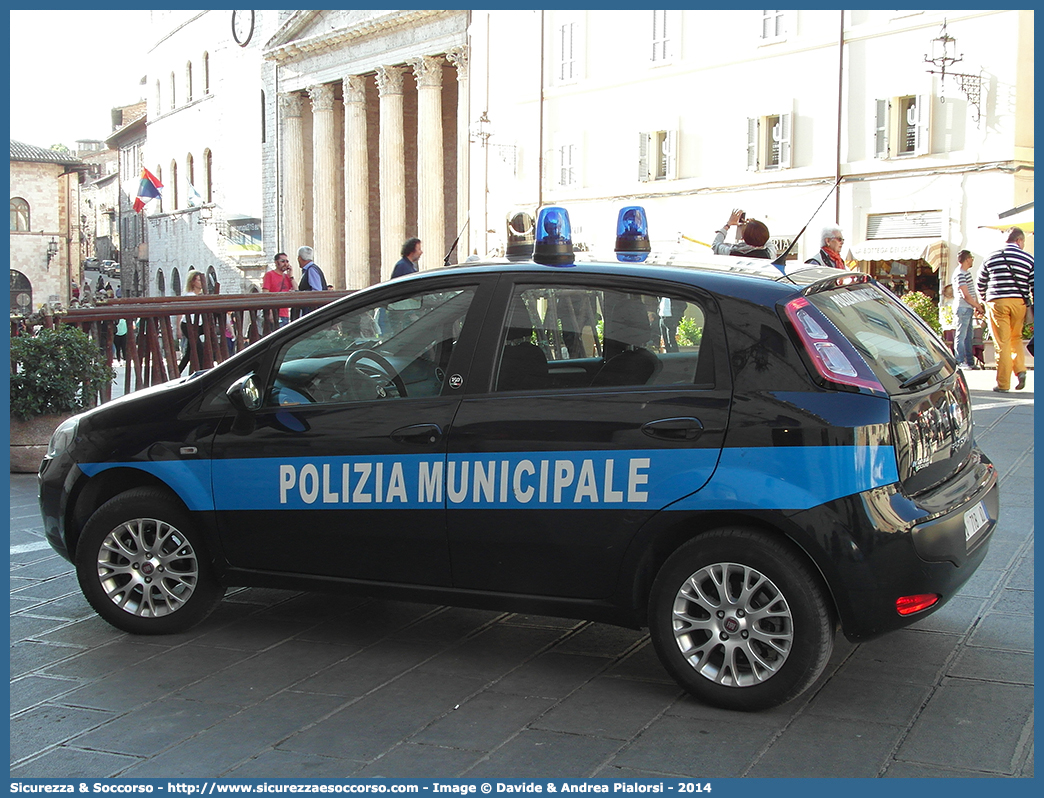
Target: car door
603,402
332,476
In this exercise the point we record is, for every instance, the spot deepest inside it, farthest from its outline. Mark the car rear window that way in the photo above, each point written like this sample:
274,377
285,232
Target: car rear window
896,345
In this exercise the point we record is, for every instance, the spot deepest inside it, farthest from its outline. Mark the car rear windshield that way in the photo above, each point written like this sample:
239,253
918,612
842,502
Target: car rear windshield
895,344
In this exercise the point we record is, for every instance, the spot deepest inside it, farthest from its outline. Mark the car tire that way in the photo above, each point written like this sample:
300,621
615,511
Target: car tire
739,619
143,566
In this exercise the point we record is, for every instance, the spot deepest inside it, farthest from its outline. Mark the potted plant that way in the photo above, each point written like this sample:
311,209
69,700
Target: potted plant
54,375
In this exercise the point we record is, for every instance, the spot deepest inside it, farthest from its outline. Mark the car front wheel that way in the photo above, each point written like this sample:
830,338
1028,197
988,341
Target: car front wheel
143,567
739,620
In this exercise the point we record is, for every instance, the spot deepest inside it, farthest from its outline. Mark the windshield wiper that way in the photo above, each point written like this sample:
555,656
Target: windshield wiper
924,376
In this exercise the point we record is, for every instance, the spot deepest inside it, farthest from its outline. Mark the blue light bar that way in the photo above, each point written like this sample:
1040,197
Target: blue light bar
554,237
632,235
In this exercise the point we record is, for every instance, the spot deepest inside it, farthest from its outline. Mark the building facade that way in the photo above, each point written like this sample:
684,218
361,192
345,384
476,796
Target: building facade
693,113
207,121
45,230
352,130
372,132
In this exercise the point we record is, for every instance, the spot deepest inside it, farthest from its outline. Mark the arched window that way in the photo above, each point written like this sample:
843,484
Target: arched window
188,82
173,92
163,204
19,215
206,73
21,293
211,280
159,98
175,281
190,178
161,287
174,186
262,116
208,176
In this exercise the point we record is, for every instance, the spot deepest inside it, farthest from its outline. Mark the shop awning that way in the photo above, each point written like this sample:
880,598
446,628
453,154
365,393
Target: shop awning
1021,217
932,250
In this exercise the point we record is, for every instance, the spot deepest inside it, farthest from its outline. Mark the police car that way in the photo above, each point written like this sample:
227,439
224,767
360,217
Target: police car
741,456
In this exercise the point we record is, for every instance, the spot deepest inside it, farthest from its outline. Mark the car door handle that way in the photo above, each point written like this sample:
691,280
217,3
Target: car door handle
418,433
674,429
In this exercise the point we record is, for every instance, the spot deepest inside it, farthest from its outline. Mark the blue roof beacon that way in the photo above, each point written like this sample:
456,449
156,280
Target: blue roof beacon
632,235
554,237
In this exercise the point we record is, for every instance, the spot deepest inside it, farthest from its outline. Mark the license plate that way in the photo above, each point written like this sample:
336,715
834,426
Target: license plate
974,520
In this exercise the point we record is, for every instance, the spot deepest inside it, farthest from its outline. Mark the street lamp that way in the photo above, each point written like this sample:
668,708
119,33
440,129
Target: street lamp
482,130
52,250
944,55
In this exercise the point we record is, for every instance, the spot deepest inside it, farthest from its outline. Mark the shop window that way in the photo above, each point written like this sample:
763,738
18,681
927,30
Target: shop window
657,155
769,142
902,126
19,215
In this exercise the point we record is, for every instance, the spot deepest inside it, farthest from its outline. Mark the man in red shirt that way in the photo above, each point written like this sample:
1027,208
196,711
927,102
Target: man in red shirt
278,280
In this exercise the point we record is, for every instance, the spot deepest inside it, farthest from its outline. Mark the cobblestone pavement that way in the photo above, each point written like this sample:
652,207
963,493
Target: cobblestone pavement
303,685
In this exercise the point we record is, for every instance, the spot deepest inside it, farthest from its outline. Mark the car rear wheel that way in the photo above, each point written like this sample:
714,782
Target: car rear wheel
143,567
739,620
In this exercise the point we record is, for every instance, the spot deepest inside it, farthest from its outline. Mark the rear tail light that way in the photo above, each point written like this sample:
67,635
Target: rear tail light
908,605
834,357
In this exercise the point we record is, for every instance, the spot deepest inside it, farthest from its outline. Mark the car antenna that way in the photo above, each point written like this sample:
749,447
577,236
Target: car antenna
445,261
778,262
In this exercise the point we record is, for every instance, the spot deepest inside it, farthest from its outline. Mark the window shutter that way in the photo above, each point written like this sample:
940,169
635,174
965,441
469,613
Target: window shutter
671,151
674,28
643,157
923,132
881,129
784,137
752,144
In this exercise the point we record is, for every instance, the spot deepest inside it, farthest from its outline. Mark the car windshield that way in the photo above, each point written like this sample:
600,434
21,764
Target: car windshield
894,343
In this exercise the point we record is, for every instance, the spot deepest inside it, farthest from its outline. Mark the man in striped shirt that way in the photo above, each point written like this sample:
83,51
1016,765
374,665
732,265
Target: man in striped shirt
1006,285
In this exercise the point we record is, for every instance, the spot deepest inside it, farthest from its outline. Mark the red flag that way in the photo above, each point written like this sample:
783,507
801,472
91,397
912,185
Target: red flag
148,188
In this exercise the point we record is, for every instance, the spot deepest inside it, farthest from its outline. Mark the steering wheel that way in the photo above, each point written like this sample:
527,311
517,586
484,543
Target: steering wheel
386,371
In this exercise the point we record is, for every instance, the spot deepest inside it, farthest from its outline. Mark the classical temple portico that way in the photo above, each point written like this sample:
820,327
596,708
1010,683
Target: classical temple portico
372,140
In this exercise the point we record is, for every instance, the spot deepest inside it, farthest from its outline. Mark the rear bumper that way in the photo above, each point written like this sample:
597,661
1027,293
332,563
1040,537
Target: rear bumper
882,545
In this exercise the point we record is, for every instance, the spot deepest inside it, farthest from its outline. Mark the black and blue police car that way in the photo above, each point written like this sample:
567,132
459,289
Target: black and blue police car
739,455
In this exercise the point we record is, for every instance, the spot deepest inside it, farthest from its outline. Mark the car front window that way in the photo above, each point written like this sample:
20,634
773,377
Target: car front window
389,350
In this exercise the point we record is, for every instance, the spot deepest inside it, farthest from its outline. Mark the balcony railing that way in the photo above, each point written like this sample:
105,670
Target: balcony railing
153,353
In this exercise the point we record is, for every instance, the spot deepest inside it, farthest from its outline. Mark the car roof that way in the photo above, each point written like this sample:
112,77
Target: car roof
716,272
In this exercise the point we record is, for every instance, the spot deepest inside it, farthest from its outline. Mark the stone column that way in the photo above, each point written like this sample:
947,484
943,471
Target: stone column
356,185
325,189
458,56
294,210
392,176
431,189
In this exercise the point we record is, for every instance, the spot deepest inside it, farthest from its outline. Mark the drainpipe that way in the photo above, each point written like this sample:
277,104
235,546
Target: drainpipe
540,122
840,97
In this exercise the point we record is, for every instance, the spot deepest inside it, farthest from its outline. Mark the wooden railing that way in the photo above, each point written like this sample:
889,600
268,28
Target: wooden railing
152,346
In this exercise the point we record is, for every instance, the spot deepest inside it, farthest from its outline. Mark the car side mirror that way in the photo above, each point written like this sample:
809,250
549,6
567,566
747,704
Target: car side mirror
245,394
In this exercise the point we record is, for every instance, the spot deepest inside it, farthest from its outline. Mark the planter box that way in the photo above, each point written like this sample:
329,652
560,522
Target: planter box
29,441
989,354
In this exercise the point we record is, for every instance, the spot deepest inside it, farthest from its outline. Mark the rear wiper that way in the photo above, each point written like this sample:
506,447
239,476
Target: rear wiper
924,376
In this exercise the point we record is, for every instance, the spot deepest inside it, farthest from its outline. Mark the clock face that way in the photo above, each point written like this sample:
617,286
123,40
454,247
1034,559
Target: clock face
242,26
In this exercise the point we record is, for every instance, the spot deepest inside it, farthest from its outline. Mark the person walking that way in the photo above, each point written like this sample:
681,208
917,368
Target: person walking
312,277
1006,284
191,325
965,305
278,280
831,241
411,252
